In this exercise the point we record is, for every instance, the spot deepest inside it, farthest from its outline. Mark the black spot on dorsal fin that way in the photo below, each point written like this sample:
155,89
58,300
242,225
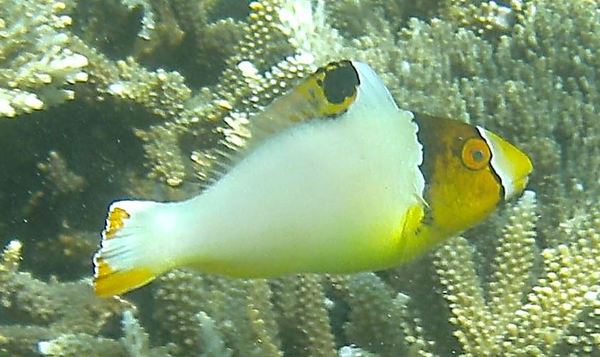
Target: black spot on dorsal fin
340,82
324,94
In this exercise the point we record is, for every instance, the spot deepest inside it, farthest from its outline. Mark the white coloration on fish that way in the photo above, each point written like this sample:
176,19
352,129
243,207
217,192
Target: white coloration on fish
312,198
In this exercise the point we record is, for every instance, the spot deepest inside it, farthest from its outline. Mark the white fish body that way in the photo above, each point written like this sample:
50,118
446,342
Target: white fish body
325,195
342,190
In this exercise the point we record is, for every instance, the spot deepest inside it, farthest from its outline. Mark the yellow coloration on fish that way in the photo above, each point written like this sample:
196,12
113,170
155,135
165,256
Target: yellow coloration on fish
335,179
326,93
115,222
108,280
321,94
513,162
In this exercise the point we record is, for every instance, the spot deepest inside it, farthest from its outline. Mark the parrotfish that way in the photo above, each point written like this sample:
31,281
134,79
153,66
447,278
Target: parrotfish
334,179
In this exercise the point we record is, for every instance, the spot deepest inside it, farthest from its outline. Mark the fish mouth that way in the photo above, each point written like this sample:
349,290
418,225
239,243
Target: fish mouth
518,186
511,165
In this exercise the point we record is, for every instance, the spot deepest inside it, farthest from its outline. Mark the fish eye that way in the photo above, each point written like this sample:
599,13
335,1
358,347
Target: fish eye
475,154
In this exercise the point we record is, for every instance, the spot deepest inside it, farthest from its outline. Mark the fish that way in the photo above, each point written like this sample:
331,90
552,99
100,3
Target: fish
335,178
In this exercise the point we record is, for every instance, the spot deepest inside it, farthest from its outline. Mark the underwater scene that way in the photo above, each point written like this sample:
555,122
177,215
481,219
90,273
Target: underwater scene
351,177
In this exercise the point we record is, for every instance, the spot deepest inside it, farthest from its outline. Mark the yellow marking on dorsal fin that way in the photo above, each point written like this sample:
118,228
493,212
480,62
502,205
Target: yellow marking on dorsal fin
109,282
326,93
114,222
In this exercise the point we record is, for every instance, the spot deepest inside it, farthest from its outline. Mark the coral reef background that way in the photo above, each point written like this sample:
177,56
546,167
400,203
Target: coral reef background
101,100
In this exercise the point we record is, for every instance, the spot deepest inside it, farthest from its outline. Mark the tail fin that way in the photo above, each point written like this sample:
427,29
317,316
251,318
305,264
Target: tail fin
127,256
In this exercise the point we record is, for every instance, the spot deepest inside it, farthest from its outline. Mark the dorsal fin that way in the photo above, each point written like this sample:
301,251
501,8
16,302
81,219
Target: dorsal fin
330,93
326,93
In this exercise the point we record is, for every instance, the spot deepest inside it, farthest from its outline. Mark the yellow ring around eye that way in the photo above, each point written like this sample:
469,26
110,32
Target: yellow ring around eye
475,154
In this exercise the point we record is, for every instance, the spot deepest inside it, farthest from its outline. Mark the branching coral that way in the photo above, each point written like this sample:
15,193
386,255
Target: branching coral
534,297
517,284
287,316
134,343
60,179
380,320
224,314
483,16
37,64
40,311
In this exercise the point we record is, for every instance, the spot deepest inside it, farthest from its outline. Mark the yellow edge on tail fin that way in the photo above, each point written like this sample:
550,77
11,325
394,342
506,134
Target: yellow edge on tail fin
107,280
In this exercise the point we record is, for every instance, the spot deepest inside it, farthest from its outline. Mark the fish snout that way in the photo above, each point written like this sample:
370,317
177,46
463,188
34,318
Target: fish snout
512,165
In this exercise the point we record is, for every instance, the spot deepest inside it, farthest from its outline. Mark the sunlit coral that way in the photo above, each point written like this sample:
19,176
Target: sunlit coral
37,66
187,77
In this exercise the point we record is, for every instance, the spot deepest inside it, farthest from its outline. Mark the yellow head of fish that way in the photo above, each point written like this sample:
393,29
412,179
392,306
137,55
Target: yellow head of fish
468,171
